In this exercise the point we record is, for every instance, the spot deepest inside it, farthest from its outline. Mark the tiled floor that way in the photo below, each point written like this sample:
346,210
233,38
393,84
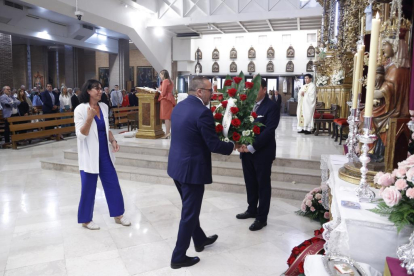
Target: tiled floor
39,234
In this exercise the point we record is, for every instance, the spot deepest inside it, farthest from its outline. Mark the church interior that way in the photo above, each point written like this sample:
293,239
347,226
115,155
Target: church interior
338,76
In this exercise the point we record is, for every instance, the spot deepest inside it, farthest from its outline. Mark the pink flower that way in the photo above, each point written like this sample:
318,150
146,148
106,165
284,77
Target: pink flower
410,159
410,193
309,197
386,180
308,203
318,196
381,190
377,177
316,190
410,174
391,196
320,201
412,136
400,173
312,209
401,184
303,207
326,215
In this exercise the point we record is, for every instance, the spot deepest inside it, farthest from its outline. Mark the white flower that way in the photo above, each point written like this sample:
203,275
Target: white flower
226,140
251,119
246,132
234,100
217,123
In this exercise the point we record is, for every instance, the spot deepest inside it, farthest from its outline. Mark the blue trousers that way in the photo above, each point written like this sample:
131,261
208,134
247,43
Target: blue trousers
111,187
191,197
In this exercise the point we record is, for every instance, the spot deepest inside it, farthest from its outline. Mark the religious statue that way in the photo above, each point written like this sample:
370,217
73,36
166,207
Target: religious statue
391,93
233,67
198,54
198,68
290,53
38,80
309,66
216,54
311,51
252,53
290,67
251,67
270,52
233,53
270,67
216,67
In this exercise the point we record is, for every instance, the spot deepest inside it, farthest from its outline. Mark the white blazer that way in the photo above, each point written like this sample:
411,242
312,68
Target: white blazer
88,146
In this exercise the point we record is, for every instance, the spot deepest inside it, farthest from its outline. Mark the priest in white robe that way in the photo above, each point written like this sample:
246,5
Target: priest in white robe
306,106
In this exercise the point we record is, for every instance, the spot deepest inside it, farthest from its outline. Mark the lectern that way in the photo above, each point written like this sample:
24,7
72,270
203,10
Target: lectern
150,125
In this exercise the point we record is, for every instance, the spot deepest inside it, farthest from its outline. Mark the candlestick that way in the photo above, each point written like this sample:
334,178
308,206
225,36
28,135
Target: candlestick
373,50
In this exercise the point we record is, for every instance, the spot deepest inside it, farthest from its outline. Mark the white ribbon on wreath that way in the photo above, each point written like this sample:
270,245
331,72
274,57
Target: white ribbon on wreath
228,116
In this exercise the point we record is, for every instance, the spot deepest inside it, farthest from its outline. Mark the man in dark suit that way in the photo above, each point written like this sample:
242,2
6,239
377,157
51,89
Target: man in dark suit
133,99
105,96
189,163
257,160
277,98
75,98
50,100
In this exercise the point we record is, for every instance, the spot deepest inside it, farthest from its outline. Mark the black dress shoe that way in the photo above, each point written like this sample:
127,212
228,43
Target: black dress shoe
257,225
190,261
302,131
245,215
209,240
307,132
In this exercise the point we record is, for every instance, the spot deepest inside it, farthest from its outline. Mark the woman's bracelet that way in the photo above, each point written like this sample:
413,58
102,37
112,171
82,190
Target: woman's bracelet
113,141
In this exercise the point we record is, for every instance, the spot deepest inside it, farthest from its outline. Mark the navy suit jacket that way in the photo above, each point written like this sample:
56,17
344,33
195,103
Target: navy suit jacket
268,114
47,106
278,101
193,140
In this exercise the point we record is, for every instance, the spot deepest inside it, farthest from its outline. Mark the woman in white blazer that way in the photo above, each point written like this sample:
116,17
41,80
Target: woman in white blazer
96,147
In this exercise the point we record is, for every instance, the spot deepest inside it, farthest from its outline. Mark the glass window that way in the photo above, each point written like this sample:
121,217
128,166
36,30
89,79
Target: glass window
272,84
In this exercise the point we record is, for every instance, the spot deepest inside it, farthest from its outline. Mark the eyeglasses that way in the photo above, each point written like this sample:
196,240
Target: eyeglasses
209,90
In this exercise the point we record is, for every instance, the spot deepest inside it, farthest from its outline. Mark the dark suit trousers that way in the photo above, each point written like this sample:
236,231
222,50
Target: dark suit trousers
191,197
258,185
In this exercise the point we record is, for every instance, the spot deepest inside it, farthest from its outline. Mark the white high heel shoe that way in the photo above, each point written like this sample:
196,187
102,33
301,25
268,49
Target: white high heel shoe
123,221
91,226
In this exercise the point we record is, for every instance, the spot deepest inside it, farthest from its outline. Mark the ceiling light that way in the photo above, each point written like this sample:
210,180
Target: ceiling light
126,6
158,31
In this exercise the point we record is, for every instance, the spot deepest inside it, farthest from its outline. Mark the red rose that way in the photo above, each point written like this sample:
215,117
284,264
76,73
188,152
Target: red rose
237,80
307,243
220,97
300,267
291,260
219,128
254,115
302,248
249,84
227,82
232,92
213,109
243,97
236,136
224,104
214,97
296,250
218,116
315,239
256,130
234,110
317,232
235,122
321,230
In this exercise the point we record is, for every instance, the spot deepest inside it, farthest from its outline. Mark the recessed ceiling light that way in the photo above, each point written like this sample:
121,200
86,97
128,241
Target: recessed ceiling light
126,6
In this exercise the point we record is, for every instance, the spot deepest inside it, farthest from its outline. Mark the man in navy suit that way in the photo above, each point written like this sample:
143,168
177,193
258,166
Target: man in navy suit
50,100
189,163
257,160
277,98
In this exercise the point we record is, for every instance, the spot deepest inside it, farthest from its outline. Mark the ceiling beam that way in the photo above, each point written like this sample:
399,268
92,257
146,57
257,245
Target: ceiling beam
270,25
192,29
214,26
169,7
298,19
241,25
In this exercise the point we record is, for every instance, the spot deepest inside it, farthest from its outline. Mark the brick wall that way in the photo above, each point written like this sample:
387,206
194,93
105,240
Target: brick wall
90,65
6,61
20,65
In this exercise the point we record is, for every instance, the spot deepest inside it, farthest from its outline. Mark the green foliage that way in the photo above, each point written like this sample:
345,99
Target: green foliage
401,215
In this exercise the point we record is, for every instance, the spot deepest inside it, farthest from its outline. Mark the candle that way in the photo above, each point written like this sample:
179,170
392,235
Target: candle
359,66
362,26
354,90
361,53
372,66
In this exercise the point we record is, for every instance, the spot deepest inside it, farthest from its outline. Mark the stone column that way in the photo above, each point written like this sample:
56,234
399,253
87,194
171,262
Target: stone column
6,61
119,65
69,67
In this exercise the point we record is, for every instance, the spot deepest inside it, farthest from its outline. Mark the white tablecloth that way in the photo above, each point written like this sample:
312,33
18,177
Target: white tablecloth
360,234
314,267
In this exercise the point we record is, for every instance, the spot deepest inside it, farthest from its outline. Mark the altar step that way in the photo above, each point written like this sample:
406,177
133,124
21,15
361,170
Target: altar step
291,178
220,168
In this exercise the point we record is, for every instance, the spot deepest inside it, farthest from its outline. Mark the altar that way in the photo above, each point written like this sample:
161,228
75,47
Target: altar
362,235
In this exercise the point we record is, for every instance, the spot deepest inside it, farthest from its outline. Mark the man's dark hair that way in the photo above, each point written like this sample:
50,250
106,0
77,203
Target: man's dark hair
88,85
196,83
309,76
263,83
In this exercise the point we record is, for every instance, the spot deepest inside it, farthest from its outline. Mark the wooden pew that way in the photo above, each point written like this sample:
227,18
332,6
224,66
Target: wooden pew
38,130
121,114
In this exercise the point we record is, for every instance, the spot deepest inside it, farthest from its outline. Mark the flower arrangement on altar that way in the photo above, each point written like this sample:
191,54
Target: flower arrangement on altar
397,193
312,207
234,118
338,77
322,81
296,259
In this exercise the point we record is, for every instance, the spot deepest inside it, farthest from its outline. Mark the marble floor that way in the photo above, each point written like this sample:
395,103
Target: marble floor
39,234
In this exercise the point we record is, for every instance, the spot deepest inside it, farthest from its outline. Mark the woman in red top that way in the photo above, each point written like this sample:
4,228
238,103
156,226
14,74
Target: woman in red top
125,100
167,101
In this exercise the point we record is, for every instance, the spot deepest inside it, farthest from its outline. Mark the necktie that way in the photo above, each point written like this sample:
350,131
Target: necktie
256,106
53,98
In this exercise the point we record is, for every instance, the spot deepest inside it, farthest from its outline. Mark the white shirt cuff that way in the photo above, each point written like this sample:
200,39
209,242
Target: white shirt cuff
251,149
